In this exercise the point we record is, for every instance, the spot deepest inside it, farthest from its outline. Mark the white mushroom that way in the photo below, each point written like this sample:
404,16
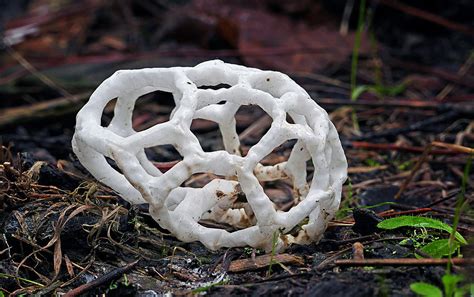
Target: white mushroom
179,209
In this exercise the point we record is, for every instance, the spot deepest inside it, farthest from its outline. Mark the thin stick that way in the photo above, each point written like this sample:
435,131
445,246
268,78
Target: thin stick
42,110
462,72
403,262
403,148
430,122
344,27
417,167
257,127
454,147
332,259
406,212
114,274
30,68
428,16
446,75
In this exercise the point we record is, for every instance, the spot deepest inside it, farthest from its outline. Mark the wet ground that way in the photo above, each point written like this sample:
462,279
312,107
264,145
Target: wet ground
61,229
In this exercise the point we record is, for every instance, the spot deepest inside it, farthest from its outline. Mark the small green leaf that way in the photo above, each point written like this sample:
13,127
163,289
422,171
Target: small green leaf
425,289
390,90
450,282
419,222
461,292
440,248
358,91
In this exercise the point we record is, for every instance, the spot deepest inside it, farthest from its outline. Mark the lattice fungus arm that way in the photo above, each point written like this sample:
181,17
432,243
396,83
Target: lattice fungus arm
236,196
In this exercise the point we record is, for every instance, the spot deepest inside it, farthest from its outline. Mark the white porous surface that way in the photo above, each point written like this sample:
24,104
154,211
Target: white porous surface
178,208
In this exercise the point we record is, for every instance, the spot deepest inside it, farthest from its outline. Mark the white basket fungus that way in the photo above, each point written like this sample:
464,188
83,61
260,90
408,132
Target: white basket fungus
178,208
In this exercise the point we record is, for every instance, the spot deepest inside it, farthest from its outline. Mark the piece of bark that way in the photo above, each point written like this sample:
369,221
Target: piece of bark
263,261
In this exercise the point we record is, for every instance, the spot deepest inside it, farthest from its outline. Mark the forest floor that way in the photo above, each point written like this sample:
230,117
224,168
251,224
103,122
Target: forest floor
408,135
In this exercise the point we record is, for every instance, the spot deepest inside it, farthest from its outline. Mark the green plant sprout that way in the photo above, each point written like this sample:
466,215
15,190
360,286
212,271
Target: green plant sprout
372,163
5,275
379,89
276,235
355,59
451,287
115,283
450,281
345,205
419,222
460,206
435,249
405,165
419,238
357,41
249,251
220,280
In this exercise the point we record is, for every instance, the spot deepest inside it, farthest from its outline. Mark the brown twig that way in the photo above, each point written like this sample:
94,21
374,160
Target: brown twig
386,214
462,72
417,167
454,147
452,194
385,103
121,57
369,182
365,169
350,240
430,17
114,274
435,120
333,258
404,262
256,128
41,111
446,75
396,147
30,68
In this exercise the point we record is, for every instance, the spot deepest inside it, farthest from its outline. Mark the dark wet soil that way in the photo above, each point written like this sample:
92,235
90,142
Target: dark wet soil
61,229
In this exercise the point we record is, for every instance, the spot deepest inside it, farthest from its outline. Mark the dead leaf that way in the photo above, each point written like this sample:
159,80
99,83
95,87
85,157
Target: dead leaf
271,41
69,267
58,257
